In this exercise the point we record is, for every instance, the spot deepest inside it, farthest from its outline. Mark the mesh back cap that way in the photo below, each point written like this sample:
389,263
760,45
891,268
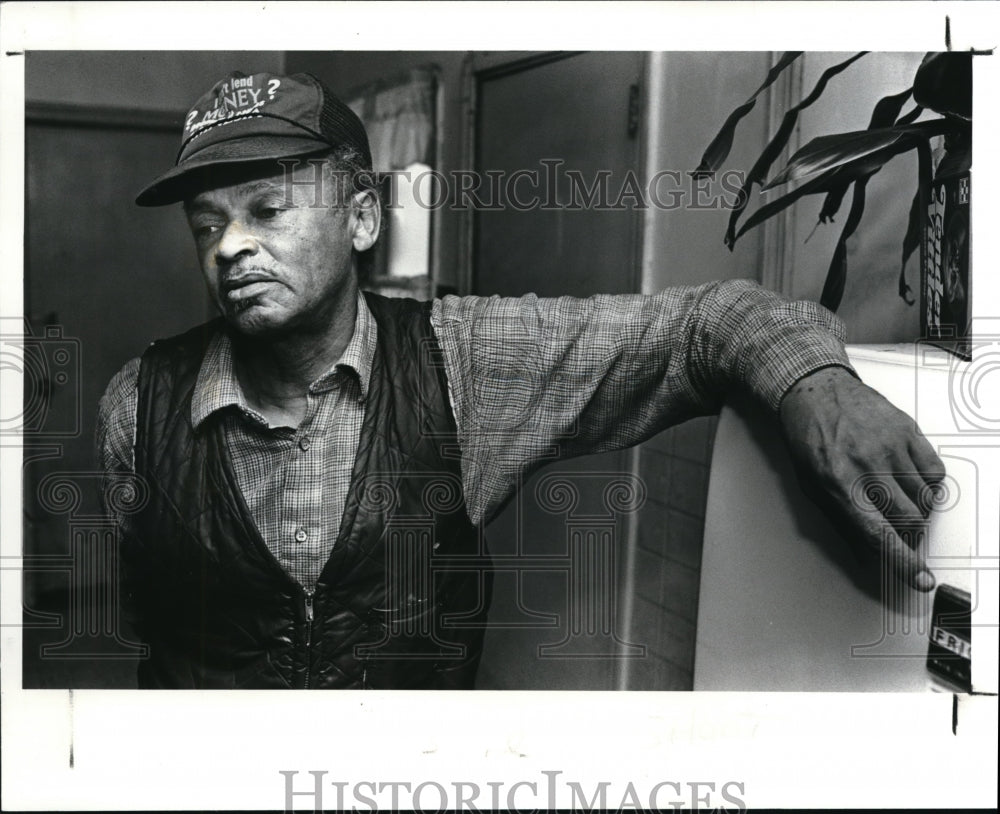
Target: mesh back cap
255,118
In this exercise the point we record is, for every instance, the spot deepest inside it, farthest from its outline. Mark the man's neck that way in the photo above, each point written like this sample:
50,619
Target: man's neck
275,374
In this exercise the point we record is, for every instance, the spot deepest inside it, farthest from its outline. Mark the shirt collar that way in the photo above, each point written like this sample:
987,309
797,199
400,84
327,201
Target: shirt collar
217,386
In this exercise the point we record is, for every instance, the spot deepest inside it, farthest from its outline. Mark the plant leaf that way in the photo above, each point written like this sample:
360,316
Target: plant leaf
780,139
884,114
887,109
836,277
826,152
718,150
943,83
831,203
819,184
777,143
910,117
910,242
914,228
830,179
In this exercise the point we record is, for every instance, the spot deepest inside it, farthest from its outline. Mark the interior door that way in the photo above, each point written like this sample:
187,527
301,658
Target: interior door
103,278
554,619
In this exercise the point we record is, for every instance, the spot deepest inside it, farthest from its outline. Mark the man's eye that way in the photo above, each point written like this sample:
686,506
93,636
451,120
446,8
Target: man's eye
268,212
205,230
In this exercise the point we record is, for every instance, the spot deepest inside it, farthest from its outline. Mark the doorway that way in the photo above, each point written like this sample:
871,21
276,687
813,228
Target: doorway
565,126
101,278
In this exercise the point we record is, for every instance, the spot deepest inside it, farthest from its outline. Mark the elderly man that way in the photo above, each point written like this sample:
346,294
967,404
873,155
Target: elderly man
279,446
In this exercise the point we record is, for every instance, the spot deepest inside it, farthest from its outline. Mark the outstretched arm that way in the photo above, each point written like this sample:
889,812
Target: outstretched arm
535,378
532,379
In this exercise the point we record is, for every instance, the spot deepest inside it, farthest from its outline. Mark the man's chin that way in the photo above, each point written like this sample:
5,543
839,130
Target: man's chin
254,321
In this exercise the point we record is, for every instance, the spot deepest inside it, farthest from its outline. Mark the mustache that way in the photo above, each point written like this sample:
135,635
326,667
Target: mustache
235,277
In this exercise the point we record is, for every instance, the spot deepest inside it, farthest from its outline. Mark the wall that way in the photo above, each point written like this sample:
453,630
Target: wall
142,80
689,96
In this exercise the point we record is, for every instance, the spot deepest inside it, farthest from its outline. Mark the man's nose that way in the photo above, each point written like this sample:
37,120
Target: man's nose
235,240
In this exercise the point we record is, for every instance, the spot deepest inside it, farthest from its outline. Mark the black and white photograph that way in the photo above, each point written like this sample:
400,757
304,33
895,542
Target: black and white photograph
618,415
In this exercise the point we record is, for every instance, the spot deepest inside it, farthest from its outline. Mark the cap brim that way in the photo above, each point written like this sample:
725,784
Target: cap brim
182,181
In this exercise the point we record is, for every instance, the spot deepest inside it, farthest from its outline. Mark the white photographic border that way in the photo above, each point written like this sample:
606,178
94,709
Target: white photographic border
221,750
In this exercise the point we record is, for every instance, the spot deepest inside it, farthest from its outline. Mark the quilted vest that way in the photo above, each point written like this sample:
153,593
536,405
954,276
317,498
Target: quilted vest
403,598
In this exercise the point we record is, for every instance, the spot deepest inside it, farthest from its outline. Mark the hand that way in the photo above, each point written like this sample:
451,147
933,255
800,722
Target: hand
839,431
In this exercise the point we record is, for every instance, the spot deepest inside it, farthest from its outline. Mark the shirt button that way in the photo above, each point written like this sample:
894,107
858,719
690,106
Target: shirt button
301,535
304,443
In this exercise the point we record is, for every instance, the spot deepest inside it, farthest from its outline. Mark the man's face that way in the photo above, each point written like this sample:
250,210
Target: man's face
275,248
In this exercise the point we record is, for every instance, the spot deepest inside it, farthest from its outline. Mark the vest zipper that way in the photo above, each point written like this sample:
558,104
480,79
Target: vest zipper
309,626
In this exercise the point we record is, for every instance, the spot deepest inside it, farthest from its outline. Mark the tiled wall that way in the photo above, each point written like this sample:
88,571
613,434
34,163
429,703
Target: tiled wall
667,564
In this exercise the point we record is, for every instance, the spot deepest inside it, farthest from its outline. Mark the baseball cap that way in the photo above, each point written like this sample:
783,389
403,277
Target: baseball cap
258,117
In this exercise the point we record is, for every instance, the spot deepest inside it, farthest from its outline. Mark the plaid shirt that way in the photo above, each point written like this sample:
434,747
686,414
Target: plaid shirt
525,375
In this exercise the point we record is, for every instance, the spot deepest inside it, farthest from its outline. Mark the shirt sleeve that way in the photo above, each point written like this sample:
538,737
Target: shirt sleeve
532,380
116,425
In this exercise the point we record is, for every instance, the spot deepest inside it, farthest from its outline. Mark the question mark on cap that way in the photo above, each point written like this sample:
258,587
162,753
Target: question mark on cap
272,86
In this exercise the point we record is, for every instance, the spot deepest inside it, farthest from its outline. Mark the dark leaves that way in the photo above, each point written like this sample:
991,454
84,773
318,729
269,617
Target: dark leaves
910,243
886,110
778,142
718,150
841,175
832,164
780,139
831,203
836,276
914,227
911,117
826,152
944,83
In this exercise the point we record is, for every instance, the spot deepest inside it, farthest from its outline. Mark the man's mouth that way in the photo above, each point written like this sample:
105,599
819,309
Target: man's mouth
243,288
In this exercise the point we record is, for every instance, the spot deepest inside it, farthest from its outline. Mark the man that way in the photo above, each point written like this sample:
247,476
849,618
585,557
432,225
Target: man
280,448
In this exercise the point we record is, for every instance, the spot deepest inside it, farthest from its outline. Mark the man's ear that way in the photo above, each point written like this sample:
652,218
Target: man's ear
367,220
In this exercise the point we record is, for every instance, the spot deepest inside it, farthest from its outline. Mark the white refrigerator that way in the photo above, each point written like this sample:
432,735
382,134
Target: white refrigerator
784,606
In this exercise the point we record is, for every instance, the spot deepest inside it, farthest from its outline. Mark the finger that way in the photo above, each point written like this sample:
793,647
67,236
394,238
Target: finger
886,516
905,563
927,462
860,520
892,495
873,511
918,496
854,516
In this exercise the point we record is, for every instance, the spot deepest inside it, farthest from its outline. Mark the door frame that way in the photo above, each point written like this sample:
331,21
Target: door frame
776,250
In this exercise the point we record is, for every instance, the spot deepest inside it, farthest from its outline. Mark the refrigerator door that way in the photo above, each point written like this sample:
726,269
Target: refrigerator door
785,607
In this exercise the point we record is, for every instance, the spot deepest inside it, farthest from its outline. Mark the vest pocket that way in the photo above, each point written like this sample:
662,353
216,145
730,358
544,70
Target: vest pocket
405,649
